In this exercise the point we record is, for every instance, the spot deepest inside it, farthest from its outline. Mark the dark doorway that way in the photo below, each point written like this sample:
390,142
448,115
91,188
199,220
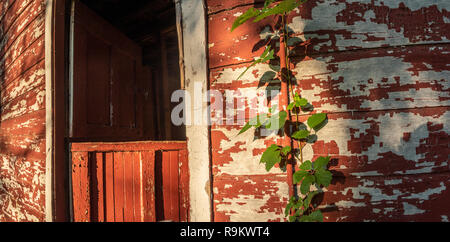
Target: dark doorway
151,25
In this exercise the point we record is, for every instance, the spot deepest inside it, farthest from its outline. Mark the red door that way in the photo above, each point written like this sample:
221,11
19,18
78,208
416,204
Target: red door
130,181
117,181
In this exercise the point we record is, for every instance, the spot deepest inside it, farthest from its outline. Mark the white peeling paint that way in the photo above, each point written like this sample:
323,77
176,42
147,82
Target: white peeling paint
393,182
411,209
249,209
243,161
427,193
349,204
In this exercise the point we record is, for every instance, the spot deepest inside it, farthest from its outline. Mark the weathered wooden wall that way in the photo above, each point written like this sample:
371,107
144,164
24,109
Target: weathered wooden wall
22,110
380,69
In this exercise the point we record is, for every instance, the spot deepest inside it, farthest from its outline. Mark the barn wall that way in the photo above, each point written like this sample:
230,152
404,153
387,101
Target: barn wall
380,69
22,116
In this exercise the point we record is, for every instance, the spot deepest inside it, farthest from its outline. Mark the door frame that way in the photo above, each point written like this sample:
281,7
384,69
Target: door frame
192,26
57,189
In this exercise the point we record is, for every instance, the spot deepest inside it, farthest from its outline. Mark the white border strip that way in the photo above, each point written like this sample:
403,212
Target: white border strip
196,77
48,112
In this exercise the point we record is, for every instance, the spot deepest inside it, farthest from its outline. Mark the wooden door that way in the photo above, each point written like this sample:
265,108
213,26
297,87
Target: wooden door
130,181
107,76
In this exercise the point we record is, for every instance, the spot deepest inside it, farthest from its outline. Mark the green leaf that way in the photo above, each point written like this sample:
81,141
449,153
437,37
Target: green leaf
268,77
285,150
308,198
265,56
298,204
246,127
255,121
269,56
306,166
321,162
267,3
298,176
315,216
316,119
275,67
323,177
259,120
277,121
273,108
287,210
292,218
301,102
306,184
271,156
250,13
284,7
291,106
301,134
246,69
299,212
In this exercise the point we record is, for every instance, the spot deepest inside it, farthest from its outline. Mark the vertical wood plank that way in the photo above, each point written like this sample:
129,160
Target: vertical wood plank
78,98
148,102
148,182
98,81
85,205
174,186
167,192
184,186
76,188
128,187
118,187
137,187
109,187
100,186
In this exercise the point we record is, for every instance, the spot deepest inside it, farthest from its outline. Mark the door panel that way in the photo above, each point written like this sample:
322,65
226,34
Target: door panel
98,81
106,87
130,181
124,68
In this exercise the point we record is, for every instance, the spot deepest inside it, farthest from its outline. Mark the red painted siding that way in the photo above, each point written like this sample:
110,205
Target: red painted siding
380,70
22,110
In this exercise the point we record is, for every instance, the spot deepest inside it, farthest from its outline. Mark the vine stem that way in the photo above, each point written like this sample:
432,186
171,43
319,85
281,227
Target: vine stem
290,86
284,102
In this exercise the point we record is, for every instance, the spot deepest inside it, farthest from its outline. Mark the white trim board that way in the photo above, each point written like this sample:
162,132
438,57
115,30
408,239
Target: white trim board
48,112
193,17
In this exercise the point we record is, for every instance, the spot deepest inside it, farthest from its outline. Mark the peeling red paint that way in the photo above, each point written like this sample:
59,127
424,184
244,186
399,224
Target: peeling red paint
380,72
22,115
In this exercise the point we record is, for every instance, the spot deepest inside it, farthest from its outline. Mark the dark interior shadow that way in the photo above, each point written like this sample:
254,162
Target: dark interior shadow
159,192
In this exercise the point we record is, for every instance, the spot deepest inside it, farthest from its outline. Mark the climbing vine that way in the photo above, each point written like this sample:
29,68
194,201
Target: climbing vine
311,176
